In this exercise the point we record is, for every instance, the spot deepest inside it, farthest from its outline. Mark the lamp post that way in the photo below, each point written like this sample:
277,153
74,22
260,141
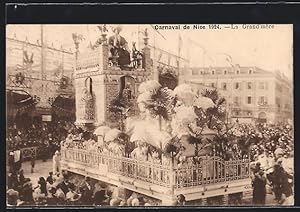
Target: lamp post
146,38
228,104
77,38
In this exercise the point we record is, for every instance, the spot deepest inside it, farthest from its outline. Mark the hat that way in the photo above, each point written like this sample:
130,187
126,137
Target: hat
52,190
279,160
122,203
261,172
27,184
60,194
11,192
135,202
75,197
118,28
56,152
114,202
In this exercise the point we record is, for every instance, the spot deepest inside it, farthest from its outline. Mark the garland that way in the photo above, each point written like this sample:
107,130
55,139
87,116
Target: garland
64,110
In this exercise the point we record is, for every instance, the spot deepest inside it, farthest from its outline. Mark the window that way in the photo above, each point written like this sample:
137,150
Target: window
224,86
89,84
225,72
237,71
250,71
249,85
237,85
213,85
249,100
213,72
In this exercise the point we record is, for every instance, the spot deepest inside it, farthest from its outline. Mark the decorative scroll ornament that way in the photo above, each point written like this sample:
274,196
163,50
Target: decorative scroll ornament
20,78
28,61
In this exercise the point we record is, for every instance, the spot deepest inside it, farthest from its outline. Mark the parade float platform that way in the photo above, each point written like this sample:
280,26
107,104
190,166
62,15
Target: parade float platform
211,178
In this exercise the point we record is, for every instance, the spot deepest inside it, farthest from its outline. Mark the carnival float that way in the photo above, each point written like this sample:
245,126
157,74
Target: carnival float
163,142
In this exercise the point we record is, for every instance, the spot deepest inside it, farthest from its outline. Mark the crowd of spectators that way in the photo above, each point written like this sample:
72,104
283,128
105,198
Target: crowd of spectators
46,134
267,146
250,141
62,189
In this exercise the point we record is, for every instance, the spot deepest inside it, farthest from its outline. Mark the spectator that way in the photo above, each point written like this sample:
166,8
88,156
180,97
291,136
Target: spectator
50,178
277,182
56,162
259,188
12,197
99,197
21,177
32,162
129,201
135,202
86,191
27,193
43,186
181,200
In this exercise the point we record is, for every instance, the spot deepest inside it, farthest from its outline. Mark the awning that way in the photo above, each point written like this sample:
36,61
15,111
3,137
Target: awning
18,101
64,104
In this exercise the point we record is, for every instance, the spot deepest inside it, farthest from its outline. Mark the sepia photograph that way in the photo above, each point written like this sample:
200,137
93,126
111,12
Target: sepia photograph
149,115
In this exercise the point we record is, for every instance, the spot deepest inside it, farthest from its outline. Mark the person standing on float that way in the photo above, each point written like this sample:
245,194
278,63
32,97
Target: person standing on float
119,47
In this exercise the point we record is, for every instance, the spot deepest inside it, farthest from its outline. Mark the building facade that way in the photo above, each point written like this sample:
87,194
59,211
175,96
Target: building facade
39,79
252,94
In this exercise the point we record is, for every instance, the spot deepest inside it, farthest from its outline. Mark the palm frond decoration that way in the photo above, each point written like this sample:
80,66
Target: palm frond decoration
161,104
217,112
120,106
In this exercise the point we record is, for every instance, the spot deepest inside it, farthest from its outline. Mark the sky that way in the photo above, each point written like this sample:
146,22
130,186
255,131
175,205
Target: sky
269,49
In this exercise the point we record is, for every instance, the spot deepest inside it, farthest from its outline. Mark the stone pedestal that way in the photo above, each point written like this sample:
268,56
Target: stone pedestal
147,62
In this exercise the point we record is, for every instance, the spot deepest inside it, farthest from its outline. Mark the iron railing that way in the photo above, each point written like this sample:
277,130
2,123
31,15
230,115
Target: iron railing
208,171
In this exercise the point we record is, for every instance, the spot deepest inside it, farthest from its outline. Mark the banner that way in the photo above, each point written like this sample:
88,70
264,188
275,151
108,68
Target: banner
46,118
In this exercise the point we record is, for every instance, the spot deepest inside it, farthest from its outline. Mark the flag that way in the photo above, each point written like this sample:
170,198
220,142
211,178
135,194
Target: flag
179,45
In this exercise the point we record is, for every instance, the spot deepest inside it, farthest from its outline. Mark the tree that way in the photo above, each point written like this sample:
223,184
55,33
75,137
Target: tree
161,105
121,107
215,113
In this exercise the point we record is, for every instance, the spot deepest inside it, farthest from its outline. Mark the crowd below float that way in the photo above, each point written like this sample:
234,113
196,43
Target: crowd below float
271,153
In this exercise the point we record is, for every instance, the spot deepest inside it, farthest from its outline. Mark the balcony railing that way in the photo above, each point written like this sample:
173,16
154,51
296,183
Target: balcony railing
209,171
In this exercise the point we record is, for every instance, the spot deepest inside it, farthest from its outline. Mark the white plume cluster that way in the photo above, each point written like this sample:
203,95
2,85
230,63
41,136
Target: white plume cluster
203,102
185,94
151,86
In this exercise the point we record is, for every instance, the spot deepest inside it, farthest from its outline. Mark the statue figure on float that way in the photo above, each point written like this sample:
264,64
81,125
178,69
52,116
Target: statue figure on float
119,48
